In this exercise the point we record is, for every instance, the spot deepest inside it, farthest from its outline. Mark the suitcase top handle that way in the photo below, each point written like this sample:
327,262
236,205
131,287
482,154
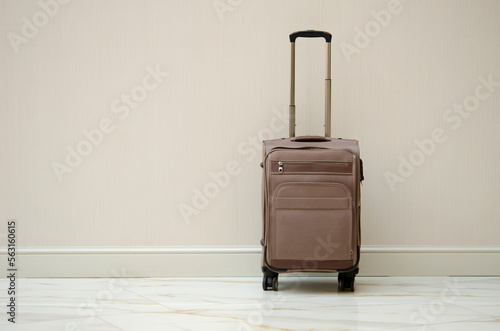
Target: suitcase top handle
328,82
310,139
311,34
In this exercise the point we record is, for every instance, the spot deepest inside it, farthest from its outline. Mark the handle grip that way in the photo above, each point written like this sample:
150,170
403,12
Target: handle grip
311,34
310,139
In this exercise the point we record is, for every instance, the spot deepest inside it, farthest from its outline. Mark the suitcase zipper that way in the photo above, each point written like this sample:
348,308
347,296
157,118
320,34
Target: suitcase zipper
281,164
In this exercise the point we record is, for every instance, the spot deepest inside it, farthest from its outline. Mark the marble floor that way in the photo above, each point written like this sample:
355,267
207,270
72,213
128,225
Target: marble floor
302,303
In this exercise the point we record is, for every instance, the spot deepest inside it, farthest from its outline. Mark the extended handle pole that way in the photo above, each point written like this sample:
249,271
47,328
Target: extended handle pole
292,91
328,81
328,91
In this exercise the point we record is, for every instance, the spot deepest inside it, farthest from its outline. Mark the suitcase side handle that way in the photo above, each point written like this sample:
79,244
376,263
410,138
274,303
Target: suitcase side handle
328,81
311,34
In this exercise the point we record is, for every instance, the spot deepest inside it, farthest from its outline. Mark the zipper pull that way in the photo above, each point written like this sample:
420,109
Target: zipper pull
280,167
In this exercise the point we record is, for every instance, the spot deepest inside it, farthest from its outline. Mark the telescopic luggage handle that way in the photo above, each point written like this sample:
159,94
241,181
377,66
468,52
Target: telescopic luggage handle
328,82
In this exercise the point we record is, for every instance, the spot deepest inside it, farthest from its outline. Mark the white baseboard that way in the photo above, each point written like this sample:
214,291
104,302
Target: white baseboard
245,261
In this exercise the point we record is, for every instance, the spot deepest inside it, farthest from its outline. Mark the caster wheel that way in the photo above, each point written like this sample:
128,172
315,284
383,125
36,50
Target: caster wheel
270,283
346,283
351,284
341,278
341,284
275,283
266,283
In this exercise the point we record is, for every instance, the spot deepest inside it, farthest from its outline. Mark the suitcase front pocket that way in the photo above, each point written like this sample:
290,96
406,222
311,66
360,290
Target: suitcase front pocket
311,222
308,167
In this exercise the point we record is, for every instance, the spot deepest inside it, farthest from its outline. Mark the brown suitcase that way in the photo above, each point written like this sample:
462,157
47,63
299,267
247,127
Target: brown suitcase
311,197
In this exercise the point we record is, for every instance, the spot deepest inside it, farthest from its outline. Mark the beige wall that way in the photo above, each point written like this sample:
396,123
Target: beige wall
226,75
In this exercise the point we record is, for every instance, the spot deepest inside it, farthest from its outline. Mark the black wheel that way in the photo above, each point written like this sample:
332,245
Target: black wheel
341,284
346,284
275,283
270,283
346,281
267,283
350,284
